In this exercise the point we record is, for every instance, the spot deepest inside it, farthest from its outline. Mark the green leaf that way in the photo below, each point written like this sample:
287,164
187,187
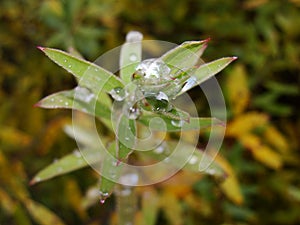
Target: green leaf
204,72
131,54
196,162
110,170
69,163
80,99
173,125
89,75
126,137
41,214
185,55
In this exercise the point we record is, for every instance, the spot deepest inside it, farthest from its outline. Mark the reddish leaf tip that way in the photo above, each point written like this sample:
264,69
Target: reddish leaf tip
40,48
207,40
38,104
234,58
32,182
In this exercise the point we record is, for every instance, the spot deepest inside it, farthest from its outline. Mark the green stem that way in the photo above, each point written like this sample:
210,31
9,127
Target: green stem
126,200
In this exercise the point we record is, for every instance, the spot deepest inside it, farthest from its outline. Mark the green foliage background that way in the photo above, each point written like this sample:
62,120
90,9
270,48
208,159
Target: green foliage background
264,34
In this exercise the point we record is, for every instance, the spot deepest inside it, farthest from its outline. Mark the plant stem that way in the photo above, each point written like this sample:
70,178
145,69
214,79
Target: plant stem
126,200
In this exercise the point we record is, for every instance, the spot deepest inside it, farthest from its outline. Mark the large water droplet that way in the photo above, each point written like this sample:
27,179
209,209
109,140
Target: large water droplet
83,94
177,123
152,71
118,93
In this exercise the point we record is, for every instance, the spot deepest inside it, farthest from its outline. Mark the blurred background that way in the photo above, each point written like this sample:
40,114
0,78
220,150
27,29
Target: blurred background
261,147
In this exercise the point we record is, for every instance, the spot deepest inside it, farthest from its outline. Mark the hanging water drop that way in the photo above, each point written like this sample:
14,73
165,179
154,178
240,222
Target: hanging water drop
118,93
103,196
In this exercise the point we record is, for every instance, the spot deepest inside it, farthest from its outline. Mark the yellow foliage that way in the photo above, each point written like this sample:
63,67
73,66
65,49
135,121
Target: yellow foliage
262,152
276,139
237,89
245,123
230,186
171,208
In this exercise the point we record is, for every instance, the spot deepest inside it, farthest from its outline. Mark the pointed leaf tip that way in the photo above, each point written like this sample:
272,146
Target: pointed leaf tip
40,48
234,58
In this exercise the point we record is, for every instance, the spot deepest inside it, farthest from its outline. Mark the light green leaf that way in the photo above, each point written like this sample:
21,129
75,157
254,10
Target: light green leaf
41,214
173,125
204,72
126,137
110,170
89,75
68,163
80,99
186,55
131,54
195,162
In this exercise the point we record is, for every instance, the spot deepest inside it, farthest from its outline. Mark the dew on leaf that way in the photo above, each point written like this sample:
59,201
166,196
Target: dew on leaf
77,153
118,93
191,82
132,57
153,71
177,123
83,94
193,160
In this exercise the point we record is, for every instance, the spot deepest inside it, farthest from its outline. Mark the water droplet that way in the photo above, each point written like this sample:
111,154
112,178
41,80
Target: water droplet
134,36
66,103
133,113
193,160
60,100
52,99
160,149
126,138
132,57
211,171
65,60
103,196
191,82
162,96
177,123
118,93
69,66
152,71
129,179
77,153
96,69
83,94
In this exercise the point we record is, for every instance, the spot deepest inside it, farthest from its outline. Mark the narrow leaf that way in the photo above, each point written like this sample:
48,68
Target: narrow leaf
164,123
68,163
110,171
131,54
185,55
80,99
89,75
204,72
41,214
